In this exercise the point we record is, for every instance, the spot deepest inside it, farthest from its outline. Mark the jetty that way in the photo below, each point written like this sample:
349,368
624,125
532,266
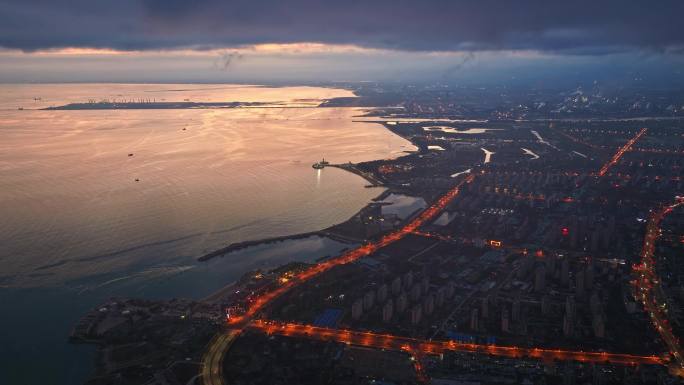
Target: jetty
245,244
351,167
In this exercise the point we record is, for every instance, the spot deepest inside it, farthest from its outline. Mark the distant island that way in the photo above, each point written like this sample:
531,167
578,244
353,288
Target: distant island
154,105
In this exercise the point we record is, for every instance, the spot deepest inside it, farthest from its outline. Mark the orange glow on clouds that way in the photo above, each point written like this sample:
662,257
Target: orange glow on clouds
268,48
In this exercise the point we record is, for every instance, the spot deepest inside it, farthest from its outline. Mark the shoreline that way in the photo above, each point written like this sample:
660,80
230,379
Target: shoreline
338,232
328,232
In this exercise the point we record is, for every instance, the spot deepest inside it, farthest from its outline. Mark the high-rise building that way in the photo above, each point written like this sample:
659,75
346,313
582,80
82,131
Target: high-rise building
589,276
516,308
368,300
570,306
568,326
550,265
545,305
522,325
484,307
540,279
396,286
408,280
402,303
505,324
439,297
357,309
595,239
573,237
415,292
569,317
416,314
565,272
579,284
425,284
382,293
599,325
474,320
450,289
525,266
595,304
428,304
387,311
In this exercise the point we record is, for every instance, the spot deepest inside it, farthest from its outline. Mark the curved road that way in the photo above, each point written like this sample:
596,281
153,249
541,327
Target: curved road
212,364
648,282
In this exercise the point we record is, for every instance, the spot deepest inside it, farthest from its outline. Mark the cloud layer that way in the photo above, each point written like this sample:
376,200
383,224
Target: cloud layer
580,26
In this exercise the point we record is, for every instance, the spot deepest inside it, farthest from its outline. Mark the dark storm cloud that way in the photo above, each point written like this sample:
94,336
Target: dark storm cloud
580,26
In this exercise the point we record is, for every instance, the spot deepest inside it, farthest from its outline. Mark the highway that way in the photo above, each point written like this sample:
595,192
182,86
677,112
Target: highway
648,281
620,152
212,363
413,345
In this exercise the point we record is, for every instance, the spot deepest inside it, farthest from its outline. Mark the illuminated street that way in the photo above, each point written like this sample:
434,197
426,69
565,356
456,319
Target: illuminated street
647,283
620,152
426,215
212,363
390,342
217,350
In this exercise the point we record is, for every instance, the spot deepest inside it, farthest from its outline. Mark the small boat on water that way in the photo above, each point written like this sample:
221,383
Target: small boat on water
321,164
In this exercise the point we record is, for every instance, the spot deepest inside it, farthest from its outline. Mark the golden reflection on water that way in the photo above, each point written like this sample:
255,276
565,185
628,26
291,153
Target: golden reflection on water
72,206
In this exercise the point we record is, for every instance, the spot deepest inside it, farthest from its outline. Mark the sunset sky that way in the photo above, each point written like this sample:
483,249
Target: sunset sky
299,40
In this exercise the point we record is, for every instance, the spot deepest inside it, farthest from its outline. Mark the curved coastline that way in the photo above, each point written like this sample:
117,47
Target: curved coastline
329,232
373,179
